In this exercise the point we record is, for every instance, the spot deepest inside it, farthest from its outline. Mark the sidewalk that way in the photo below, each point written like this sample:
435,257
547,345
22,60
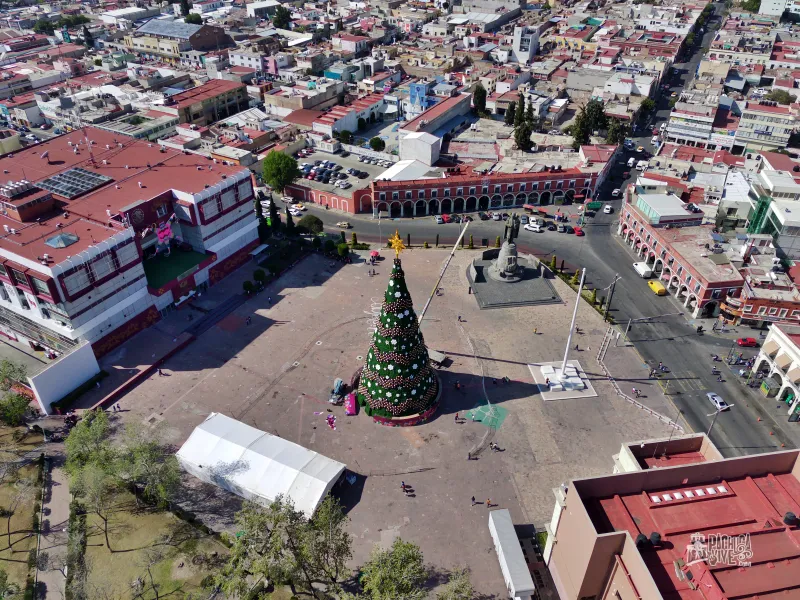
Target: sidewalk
54,528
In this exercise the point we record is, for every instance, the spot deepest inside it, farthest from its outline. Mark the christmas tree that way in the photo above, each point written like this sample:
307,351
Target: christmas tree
397,379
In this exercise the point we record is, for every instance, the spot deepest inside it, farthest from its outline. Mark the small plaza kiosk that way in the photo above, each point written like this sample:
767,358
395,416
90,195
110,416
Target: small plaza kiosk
515,569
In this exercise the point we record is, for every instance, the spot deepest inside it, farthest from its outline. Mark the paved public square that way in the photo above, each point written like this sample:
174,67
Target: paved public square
276,373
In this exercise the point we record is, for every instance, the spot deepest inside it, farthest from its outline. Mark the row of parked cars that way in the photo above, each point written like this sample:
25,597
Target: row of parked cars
374,161
329,172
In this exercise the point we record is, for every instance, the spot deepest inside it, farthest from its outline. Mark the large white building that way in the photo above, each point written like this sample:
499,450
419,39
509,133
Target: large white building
101,235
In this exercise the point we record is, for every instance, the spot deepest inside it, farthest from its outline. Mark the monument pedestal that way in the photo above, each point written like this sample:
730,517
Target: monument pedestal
553,386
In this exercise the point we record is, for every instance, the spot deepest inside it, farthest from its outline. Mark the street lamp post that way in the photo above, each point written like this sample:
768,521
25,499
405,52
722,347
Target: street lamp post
631,321
715,415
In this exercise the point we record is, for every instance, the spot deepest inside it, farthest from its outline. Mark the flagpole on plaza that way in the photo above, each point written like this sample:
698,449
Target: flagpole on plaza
572,327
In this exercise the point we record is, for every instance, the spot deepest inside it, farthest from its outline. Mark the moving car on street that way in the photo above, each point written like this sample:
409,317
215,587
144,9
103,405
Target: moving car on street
717,401
747,342
616,192
608,209
578,231
657,287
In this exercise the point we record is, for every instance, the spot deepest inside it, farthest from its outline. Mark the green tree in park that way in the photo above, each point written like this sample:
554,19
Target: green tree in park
458,586
311,224
193,19
377,144
398,572
280,170
260,276
522,136
342,250
282,17
594,296
519,115
354,239
8,589
279,543
575,278
185,7
397,379
144,462
508,119
479,99
88,442
13,408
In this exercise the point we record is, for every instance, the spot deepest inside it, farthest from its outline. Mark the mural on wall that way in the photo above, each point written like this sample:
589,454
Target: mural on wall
164,233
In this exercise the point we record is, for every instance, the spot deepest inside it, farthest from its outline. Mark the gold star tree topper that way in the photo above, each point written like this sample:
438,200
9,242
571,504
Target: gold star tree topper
397,244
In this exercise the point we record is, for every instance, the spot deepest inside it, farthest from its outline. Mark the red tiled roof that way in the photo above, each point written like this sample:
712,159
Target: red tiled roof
434,112
210,89
303,117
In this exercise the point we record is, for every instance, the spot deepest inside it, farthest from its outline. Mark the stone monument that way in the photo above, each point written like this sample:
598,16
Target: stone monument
505,267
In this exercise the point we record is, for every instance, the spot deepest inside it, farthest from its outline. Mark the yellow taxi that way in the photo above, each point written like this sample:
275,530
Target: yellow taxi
657,287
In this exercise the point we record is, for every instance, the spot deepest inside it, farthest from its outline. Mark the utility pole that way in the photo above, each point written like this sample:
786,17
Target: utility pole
610,296
714,420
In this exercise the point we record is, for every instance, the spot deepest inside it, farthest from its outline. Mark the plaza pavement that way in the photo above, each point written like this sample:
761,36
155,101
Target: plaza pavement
276,374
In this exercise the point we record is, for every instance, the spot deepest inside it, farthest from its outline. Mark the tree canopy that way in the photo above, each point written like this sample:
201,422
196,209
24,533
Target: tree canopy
346,136
581,130
648,104
595,116
781,97
282,17
377,144
398,572
280,170
522,136
88,38
279,543
617,131
194,19
185,7
311,224
519,115
479,99
509,116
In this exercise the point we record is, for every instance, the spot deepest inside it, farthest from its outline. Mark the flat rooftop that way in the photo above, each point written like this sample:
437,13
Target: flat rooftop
705,499
136,171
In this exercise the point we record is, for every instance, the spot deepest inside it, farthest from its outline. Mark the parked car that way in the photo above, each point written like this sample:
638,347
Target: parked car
747,342
608,209
483,216
467,219
616,192
717,401
551,226
523,219
363,175
343,225
446,218
578,231
640,149
439,220
561,228
497,217
535,227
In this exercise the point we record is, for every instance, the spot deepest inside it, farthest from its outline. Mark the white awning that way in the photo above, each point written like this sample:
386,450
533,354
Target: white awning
257,465
770,348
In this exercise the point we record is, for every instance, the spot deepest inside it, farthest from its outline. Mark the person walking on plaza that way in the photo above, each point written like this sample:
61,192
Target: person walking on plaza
473,501
456,419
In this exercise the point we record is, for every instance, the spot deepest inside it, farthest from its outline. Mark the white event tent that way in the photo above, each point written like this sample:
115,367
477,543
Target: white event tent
257,465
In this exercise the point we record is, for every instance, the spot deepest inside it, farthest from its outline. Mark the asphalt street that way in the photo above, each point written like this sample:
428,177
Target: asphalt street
672,339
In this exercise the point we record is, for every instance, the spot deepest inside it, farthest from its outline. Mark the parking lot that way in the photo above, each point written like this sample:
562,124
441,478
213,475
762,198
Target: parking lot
348,162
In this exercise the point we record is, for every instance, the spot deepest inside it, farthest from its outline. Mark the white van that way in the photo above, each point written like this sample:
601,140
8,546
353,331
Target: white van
631,162
641,165
643,270
654,141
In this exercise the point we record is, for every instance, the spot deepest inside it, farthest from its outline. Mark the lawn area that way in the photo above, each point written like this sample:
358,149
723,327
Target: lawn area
142,536
162,269
22,494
